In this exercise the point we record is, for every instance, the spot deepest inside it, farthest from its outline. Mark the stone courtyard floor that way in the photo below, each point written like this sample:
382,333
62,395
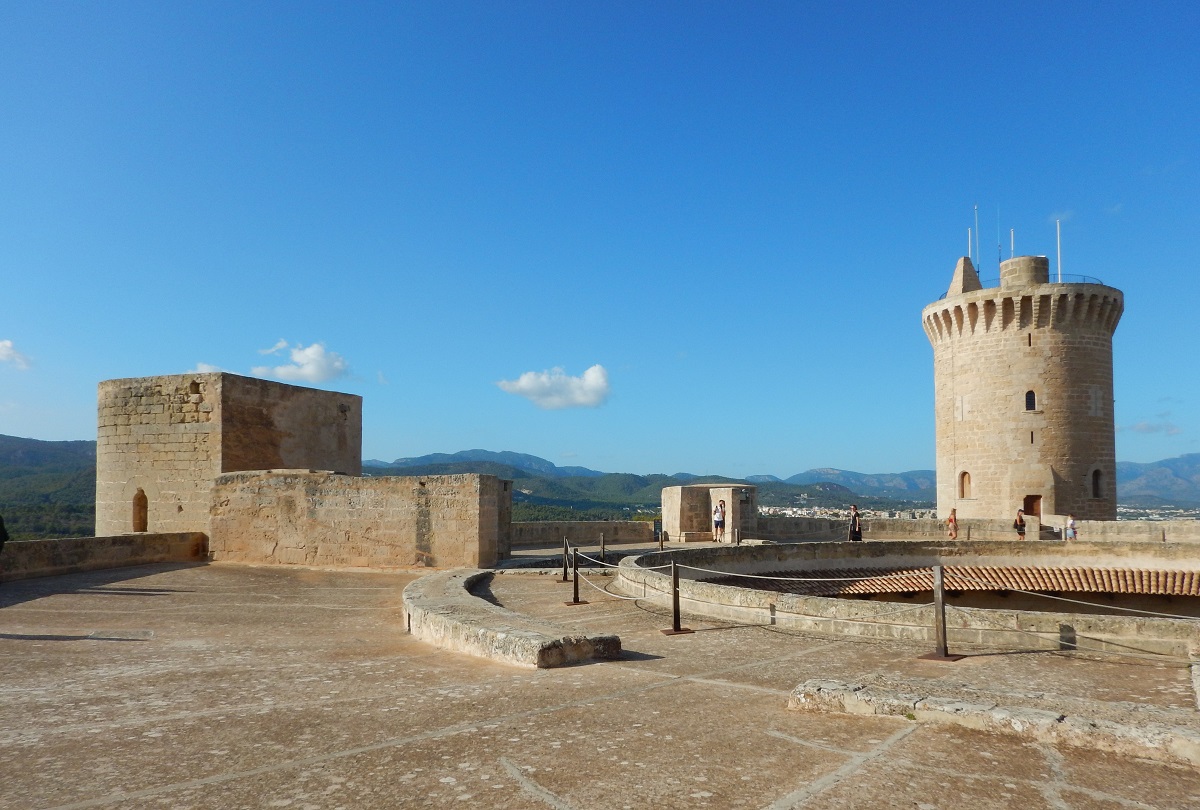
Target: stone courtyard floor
223,686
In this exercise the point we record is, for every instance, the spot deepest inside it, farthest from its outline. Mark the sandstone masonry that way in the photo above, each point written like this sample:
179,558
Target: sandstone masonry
162,440
1023,378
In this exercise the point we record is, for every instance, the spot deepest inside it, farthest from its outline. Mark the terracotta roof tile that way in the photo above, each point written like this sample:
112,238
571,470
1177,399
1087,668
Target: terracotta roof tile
847,581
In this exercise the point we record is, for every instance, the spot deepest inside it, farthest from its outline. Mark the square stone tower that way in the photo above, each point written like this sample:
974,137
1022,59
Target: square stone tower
161,442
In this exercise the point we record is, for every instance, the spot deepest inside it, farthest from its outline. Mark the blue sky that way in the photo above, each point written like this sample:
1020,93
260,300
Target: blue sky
703,233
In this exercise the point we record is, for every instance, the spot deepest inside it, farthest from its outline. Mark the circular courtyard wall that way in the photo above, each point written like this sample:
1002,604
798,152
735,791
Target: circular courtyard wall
1127,567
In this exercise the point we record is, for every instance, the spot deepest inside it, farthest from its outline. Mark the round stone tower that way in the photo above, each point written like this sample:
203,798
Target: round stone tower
1023,380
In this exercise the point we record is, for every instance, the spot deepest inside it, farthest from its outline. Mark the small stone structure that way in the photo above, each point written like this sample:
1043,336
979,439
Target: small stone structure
1023,378
687,511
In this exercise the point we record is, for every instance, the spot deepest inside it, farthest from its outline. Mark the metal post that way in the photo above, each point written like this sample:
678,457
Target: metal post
575,568
566,555
737,537
662,535
602,547
939,619
676,629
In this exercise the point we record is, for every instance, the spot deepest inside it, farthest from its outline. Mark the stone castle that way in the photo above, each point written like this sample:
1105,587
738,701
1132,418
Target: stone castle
1023,376
271,473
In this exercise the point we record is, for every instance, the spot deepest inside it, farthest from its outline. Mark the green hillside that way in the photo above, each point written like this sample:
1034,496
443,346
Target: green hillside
47,489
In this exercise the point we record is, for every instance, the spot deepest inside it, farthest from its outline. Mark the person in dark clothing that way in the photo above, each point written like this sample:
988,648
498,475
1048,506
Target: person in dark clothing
855,532
1019,524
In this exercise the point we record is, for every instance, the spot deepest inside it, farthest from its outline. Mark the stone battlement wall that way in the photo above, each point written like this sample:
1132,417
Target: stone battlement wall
802,529
581,532
312,518
25,559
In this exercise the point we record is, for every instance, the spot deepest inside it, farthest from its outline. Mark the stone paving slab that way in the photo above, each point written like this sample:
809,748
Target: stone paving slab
261,687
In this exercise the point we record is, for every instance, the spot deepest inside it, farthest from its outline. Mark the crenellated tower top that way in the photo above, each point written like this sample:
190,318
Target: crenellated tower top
1024,299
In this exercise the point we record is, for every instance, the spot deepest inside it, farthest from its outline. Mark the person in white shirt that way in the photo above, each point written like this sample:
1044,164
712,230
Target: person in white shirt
719,522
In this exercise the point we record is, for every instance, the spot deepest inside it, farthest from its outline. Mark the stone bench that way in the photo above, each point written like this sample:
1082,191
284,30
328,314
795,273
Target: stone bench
442,611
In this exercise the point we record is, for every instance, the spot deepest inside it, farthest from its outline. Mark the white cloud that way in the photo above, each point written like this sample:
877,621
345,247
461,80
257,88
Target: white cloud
279,346
204,368
10,355
1065,215
554,389
1168,428
311,364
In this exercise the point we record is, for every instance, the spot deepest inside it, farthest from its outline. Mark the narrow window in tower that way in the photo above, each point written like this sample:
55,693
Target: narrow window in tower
964,485
141,508
1096,484
1031,338
1031,437
1030,401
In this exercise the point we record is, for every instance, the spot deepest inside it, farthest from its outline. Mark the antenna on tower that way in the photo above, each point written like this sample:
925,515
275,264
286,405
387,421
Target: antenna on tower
1058,230
999,254
1012,242
978,257
968,243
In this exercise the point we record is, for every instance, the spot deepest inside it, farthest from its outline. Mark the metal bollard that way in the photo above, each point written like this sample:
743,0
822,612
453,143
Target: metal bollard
602,547
566,554
676,629
575,566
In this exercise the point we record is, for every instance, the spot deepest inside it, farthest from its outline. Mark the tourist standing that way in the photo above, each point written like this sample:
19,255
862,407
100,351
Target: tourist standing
1071,534
1019,524
952,525
719,522
855,530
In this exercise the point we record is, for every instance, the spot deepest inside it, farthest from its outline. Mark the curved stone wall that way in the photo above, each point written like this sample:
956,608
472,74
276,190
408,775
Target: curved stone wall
1013,629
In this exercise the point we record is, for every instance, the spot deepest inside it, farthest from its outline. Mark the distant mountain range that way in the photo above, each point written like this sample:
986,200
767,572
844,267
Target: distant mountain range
1174,481
47,489
914,485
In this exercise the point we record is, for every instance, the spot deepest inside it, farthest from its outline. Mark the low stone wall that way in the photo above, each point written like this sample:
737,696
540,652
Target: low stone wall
805,529
1013,629
25,559
581,532
442,611
1148,740
1131,531
314,518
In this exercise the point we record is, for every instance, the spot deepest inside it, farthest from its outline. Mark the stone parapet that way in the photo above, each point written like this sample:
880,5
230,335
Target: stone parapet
25,559
1018,629
581,532
325,519
441,610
